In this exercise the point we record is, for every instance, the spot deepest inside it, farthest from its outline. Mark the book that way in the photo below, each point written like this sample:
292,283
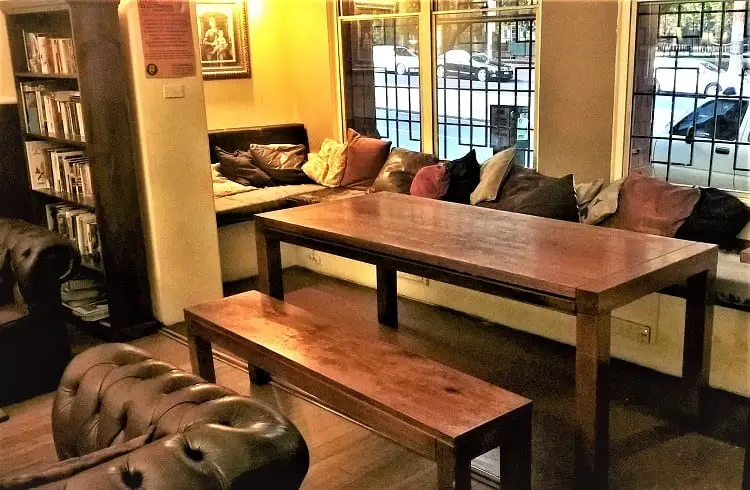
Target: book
79,294
36,159
81,283
33,61
46,58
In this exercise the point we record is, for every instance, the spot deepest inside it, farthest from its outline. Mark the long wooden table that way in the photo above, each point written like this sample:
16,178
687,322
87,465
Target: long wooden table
577,269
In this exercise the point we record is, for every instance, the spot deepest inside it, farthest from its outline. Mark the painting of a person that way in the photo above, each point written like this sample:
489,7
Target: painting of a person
209,39
221,47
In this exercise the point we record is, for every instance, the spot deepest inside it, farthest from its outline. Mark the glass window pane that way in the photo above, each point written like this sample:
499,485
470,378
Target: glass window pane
376,7
480,4
485,85
381,79
691,93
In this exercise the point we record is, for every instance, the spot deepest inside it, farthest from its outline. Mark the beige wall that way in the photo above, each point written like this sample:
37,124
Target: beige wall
292,72
176,195
577,66
7,90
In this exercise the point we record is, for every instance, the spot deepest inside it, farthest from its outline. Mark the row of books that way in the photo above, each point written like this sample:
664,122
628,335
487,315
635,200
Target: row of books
59,168
48,54
85,298
79,226
49,109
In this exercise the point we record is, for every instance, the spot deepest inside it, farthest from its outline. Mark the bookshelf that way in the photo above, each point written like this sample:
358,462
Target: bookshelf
87,132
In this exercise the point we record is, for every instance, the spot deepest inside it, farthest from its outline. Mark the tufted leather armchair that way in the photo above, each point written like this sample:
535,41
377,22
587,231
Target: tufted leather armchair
122,419
34,346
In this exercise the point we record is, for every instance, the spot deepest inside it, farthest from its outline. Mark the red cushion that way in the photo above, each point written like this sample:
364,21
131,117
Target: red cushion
431,181
364,158
650,205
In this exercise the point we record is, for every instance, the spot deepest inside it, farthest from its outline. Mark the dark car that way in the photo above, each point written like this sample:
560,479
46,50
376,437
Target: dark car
461,63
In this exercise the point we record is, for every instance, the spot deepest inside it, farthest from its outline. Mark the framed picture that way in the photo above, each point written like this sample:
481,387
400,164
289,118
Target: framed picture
222,34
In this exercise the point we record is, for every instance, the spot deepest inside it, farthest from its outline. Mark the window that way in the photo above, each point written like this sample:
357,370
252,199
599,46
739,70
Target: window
481,94
691,91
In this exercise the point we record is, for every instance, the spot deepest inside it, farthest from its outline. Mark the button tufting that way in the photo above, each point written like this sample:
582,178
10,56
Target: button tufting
132,479
193,453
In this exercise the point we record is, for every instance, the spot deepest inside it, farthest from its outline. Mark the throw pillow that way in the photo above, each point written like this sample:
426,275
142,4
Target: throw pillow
239,167
431,181
717,218
651,205
586,192
491,175
519,182
399,170
279,156
364,158
601,207
327,167
464,178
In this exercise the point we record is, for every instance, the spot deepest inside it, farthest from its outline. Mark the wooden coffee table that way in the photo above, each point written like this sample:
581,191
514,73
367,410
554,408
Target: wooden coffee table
581,270
431,409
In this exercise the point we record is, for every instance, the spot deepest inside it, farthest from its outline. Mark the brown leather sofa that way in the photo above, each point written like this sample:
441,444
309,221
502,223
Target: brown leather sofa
122,419
34,348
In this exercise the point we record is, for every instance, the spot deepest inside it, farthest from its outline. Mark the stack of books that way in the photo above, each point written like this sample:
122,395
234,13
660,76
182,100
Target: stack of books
49,109
58,168
48,54
86,299
80,227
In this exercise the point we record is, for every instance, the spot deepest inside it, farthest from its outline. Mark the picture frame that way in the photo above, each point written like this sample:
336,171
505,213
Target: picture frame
223,39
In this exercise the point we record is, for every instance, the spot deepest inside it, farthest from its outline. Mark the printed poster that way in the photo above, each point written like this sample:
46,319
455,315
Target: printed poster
167,35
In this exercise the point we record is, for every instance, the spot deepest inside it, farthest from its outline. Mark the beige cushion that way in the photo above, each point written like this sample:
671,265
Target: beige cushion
327,166
587,191
260,200
491,175
602,206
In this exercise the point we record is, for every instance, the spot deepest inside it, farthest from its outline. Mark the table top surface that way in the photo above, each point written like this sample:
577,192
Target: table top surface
553,256
441,401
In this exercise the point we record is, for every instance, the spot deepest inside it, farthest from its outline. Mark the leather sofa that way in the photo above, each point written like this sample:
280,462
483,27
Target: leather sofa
34,347
121,419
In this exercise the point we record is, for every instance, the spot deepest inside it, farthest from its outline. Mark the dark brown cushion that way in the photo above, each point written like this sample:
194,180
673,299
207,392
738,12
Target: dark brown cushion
526,191
279,156
239,167
718,217
651,205
463,176
399,170
364,158
431,181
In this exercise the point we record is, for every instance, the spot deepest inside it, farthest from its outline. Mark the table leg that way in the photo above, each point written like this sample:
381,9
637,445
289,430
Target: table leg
269,264
515,454
699,320
452,470
201,357
387,296
592,399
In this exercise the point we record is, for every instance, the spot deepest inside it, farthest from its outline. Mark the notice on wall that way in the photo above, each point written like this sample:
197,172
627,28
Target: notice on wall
167,36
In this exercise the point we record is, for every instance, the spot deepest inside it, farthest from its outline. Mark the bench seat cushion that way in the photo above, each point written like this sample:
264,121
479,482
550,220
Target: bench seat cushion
260,200
326,195
733,280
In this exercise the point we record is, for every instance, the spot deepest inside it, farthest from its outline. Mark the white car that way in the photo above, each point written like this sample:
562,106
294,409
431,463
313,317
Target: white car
696,76
710,130
400,59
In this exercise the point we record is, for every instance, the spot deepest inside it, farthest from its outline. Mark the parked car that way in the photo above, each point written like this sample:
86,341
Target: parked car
478,65
400,59
711,130
696,76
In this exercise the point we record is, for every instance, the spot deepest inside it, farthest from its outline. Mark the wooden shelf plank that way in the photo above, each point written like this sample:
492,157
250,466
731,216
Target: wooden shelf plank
45,76
76,141
87,202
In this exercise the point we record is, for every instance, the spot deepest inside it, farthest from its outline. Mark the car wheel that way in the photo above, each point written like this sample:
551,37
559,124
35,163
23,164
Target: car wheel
712,89
400,69
482,75
440,71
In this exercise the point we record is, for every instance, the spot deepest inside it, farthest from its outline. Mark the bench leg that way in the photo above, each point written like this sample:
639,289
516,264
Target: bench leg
387,296
201,357
258,376
592,400
453,471
515,454
269,264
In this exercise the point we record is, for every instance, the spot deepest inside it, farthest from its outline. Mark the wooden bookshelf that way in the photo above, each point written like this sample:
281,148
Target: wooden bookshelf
104,88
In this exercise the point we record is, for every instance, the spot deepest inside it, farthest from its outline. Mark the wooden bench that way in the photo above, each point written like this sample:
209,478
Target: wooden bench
433,410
